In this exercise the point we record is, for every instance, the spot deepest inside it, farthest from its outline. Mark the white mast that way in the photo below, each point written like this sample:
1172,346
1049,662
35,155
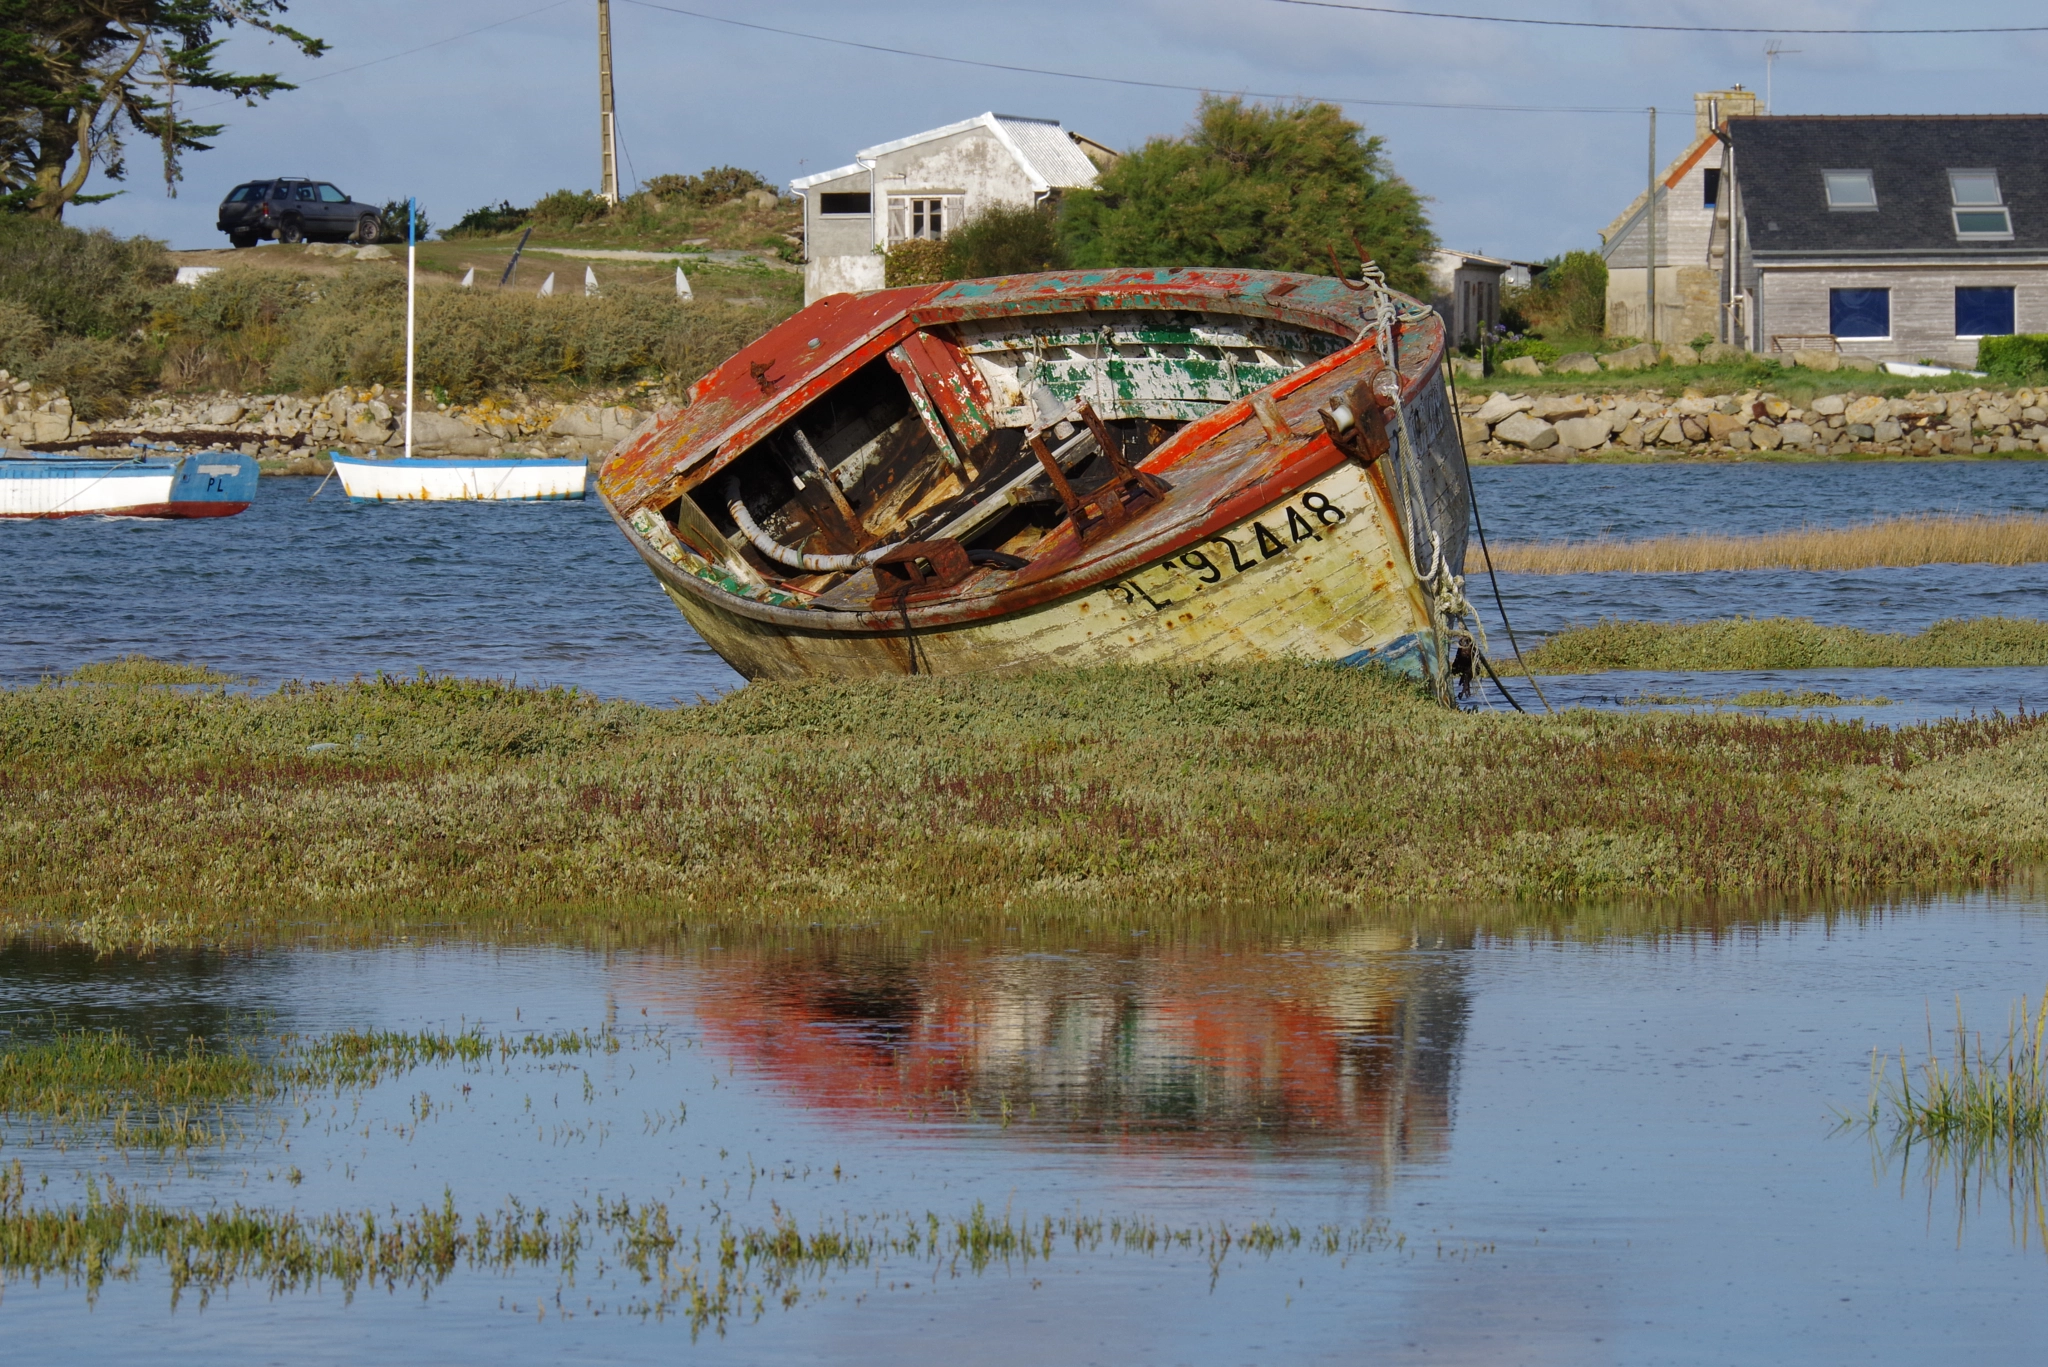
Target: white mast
411,255
608,153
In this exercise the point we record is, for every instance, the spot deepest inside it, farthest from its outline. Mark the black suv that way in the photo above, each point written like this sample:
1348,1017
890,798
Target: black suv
293,210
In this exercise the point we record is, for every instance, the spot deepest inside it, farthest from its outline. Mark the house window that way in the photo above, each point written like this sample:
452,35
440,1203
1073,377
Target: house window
1860,313
1979,206
1852,191
1984,311
1712,181
844,202
925,216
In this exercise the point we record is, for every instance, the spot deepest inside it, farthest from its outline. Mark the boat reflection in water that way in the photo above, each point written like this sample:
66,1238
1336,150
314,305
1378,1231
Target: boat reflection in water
1349,1042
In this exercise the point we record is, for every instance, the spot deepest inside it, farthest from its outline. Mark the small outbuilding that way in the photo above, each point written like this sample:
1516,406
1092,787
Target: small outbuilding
928,184
1465,289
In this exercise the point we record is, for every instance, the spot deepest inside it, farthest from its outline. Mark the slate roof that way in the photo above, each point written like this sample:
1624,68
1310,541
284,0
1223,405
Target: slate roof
1779,161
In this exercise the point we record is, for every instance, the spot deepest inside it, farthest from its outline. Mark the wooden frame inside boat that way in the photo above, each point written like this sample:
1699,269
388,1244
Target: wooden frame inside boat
1070,468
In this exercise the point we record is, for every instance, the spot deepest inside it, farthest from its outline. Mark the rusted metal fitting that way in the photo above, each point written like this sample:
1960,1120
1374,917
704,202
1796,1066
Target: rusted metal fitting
918,568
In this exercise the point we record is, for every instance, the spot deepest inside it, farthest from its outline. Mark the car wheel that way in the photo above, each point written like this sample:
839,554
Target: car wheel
242,239
368,229
290,231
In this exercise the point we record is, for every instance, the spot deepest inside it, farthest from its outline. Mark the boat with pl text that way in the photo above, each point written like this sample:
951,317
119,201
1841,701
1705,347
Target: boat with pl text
151,483
1073,468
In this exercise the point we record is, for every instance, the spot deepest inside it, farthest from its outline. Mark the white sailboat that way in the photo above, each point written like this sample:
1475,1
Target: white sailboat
413,478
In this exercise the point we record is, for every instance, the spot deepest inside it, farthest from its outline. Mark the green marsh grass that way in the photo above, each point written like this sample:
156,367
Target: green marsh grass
1787,643
462,809
707,1276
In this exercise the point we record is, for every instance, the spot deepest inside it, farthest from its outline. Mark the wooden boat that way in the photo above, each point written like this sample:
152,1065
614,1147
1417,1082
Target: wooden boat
148,484
1066,469
412,479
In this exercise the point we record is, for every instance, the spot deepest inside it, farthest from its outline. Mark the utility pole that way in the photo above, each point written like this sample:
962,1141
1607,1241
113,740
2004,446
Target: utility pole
1650,228
608,190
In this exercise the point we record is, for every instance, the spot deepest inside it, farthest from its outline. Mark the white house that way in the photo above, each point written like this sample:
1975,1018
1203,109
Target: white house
928,184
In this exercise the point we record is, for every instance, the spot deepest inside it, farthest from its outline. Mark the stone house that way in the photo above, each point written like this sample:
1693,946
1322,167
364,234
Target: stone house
928,184
1904,238
1897,237
1692,216
1465,289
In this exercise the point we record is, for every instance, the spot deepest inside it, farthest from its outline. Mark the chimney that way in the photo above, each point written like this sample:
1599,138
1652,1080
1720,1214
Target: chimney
1734,103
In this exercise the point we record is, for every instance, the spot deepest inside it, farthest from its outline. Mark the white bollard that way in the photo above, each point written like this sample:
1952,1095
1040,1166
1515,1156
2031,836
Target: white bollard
683,285
589,283
469,277
547,286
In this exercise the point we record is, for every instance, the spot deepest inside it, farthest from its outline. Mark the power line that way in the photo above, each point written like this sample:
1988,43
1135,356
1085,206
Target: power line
1656,28
1132,81
394,56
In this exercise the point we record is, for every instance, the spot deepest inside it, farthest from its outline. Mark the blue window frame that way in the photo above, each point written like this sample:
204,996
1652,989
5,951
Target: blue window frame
1984,311
1860,313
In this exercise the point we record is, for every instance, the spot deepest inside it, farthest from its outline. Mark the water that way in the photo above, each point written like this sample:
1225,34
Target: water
1609,1151
550,593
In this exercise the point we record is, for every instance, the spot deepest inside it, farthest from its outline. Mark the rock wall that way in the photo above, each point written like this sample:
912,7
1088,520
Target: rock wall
1504,426
284,431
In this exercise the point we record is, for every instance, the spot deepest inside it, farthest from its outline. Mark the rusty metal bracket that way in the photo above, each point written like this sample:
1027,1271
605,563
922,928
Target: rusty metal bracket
920,568
1358,425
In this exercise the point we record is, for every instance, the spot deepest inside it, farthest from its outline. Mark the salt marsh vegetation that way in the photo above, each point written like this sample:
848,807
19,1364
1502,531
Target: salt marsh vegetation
1752,643
457,808
2011,539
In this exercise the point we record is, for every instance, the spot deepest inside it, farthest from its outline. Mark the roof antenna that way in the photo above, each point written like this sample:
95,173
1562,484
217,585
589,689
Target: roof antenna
1773,50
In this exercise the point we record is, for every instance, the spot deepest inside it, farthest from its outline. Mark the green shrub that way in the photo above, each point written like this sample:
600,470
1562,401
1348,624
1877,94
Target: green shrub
1005,239
87,284
23,335
489,221
715,186
915,261
1568,296
391,223
1526,346
2013,359
568,209
1266,187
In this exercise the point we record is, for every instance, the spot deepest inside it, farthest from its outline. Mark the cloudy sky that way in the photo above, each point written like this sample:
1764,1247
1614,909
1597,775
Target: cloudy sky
510,111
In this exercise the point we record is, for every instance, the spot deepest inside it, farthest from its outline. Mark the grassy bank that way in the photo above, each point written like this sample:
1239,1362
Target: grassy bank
2017,539
149,814
1789,643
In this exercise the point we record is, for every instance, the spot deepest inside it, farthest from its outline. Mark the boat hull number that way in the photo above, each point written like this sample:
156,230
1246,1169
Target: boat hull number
1222,557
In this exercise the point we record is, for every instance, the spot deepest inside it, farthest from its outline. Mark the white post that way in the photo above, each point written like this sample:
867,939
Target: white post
547,286
1650,231
469,278
589,282
683,285
411,255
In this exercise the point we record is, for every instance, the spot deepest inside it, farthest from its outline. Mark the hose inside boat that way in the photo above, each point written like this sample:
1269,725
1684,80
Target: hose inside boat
789,555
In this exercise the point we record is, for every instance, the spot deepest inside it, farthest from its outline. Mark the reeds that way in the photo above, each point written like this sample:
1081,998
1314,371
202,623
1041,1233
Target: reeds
1975,1096
141,816
2009,539
1752,643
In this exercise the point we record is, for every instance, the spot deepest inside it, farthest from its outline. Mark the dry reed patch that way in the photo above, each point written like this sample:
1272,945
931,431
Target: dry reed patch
2013,539
1752,643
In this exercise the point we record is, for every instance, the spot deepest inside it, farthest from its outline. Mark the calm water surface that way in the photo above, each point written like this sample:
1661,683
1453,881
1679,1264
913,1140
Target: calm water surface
550,593
1595,1152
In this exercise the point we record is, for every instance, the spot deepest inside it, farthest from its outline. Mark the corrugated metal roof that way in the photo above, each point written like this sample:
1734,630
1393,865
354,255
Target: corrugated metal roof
1048,150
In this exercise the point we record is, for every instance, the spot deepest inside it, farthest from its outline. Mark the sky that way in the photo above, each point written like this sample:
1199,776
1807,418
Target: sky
511,111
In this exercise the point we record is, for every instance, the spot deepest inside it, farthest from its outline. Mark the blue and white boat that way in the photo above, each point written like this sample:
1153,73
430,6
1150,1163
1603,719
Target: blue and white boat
147,484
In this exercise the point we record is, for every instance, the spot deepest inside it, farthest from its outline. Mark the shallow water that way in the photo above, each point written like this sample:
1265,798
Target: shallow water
550,593
1909,696
1607,1151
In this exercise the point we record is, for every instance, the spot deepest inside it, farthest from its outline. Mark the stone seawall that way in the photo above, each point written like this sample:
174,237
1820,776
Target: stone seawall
1508,427
291,434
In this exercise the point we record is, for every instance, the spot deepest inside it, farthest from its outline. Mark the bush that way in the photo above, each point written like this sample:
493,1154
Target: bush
2013,359
253,329
715,186
1568,296
489,221
568,209
86,284
1005,239
22,336
915,261
1525,346
391,223
1273,188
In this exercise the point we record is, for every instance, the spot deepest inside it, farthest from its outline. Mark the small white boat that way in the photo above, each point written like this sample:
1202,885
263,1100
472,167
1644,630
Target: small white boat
416,478
419,479
148,484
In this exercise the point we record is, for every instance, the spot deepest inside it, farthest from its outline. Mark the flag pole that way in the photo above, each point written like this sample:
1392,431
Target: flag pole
410,273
